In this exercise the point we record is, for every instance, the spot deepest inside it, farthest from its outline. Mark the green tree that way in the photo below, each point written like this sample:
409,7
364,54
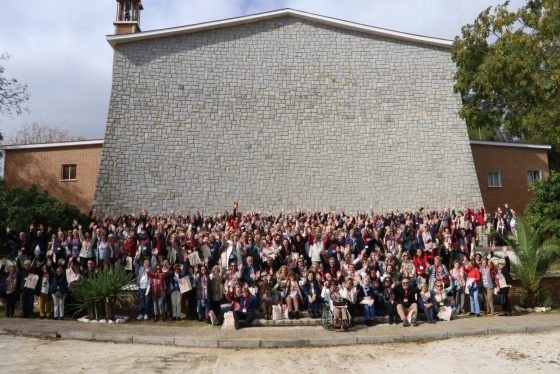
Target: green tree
508,73
20,207
535,256
543,211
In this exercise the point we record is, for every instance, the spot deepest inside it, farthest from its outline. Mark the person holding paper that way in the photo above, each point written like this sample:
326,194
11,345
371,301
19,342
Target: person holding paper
28,279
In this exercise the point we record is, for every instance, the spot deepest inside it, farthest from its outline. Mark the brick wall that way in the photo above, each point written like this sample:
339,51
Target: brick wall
42,167
283,113
513,164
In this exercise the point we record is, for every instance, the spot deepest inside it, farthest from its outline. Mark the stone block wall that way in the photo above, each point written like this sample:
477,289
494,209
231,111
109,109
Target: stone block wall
283,113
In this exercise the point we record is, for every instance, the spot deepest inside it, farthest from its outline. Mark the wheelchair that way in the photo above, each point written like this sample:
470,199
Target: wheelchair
327,317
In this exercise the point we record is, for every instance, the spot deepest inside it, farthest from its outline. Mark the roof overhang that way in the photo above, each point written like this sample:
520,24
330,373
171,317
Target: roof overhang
515,145
51,145
114,40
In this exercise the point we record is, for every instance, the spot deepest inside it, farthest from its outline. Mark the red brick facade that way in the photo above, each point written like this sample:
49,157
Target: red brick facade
42,167
512,163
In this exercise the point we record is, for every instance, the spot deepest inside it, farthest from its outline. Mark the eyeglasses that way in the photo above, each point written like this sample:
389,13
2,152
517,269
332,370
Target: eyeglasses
439,285
405,283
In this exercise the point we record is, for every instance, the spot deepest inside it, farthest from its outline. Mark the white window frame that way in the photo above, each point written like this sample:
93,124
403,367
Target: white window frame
530,179
64,178
491,175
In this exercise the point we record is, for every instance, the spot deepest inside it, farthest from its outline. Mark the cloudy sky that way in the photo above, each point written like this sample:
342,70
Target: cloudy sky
58,47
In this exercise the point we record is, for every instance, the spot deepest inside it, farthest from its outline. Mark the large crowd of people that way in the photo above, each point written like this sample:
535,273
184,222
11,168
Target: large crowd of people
275,265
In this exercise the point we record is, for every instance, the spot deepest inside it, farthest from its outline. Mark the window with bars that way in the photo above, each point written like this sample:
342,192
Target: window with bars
494,179
68,172
533,175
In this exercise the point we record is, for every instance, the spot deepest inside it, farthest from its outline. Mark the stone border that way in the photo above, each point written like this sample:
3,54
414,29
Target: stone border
275,343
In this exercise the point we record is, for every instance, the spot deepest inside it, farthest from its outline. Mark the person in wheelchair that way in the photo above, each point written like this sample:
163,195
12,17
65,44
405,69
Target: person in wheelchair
335,301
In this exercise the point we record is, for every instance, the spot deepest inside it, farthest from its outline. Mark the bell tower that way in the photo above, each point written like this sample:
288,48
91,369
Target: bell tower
128,16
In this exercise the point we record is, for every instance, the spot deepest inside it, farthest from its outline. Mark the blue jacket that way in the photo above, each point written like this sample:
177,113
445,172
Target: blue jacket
251,303
307,289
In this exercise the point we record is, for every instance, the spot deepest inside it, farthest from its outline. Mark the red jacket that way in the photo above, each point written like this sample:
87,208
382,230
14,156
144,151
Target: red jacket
474,273
421,263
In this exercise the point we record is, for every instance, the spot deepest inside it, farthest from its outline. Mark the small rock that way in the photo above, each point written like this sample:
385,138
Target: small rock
530,310
94,321
519,309
110,321
102,321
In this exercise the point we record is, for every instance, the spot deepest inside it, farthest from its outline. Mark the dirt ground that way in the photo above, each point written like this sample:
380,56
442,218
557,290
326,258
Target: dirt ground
516,353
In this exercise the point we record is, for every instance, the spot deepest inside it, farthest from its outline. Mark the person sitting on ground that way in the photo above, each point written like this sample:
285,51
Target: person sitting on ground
426,303
246,308
293,297
312,293
366,297
335,301
265,297
407,307
440,299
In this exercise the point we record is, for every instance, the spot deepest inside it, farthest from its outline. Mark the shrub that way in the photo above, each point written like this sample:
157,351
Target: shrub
19,207
107,289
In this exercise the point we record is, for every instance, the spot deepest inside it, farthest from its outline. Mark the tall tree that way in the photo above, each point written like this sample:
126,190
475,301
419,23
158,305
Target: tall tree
35,132
508,73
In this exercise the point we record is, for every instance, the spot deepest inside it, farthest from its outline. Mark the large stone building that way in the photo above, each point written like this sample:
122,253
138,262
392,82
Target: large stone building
284,109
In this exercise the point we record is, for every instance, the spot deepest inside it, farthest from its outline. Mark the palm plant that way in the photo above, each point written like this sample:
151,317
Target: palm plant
109,289
535,255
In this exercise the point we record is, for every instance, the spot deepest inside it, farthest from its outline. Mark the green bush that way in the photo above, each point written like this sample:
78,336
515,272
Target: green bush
19,207
543,211
104,292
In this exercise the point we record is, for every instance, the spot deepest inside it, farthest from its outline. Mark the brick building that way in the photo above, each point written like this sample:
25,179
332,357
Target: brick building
66,170
505,172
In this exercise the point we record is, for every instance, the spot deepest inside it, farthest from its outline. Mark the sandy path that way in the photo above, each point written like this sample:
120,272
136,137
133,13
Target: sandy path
517,353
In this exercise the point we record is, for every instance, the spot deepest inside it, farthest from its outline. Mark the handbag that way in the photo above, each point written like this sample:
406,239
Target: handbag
229,321
285,311
445,313
276,312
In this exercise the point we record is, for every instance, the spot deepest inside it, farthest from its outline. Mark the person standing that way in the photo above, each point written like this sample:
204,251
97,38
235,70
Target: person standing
503,282
487,282
58,290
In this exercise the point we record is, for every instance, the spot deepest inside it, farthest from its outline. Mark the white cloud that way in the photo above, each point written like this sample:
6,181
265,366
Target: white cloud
58,46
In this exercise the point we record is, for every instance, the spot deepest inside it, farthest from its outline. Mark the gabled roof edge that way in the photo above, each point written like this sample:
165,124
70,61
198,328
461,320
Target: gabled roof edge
114,40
